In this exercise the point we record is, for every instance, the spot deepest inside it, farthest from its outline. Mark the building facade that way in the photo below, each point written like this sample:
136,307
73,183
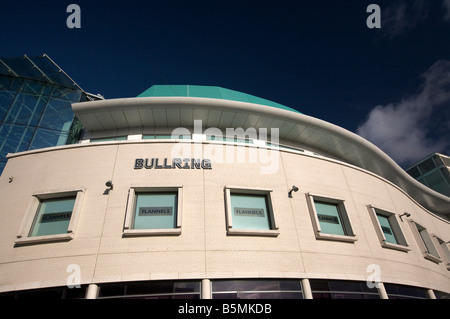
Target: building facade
35,105
202,192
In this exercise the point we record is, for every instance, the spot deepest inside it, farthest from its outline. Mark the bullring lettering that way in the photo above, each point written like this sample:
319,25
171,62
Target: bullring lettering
185,163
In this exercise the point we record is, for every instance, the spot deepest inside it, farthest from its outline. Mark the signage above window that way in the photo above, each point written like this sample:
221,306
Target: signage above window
185,163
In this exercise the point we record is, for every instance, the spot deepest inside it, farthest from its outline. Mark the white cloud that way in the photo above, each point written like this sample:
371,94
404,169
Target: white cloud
402,16
418,125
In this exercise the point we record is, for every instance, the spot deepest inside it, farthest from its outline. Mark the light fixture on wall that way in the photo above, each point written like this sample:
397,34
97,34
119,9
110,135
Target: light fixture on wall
295,189
109,184
405,214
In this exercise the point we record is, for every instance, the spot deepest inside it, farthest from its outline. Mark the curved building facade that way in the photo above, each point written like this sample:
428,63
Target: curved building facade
202,192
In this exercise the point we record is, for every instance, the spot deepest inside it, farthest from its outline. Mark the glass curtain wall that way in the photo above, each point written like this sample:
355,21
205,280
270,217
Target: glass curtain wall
35,106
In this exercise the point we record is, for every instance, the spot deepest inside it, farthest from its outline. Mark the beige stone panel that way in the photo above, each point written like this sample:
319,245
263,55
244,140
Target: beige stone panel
314,175
367,188
163,265
252,264
47,272
351,267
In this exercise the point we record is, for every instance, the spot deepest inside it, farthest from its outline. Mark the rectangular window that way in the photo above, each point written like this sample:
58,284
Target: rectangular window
108,139
53,217
153,211
428,249
249,211
388,229
330,218
257,288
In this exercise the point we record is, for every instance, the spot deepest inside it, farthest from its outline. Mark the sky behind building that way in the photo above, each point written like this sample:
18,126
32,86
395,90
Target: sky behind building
391,84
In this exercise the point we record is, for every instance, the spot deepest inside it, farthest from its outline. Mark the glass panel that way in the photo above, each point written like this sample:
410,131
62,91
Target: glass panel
387,229
47,138
249,211
414,172
342,289
437,182
401,291
329,218
427,166
257,289
155,211
53,217
107,139
14,138
56,114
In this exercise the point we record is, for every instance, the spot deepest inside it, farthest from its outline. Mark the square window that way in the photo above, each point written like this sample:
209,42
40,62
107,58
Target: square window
330,219
153,211
51,217
249,212
388,229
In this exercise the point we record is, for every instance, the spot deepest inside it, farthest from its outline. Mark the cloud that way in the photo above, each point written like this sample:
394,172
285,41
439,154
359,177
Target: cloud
402,16
446,5
416,126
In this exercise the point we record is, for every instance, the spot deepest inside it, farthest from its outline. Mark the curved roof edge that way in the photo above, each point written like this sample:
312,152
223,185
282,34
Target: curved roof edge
213,92
332,139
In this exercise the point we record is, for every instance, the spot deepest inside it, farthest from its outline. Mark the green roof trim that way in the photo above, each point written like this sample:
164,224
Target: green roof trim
213,92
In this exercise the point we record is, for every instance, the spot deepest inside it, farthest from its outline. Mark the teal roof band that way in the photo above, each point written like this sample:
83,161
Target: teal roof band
213,92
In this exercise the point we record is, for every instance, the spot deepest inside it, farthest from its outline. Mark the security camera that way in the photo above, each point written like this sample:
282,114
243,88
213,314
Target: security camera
404,214
295,189
109,184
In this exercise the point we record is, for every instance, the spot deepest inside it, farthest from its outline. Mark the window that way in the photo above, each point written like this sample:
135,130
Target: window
404,292
51,217
154,211
330,219
388,229
249,212
342,289
256,289
108,139
151,290
445,250
426,244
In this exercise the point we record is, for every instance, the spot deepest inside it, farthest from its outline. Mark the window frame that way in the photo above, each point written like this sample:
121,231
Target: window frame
425,244
402,244
23,235
445,251
229,190
133,193
343,215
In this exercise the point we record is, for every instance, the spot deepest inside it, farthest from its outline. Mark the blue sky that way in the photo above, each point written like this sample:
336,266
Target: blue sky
390,85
